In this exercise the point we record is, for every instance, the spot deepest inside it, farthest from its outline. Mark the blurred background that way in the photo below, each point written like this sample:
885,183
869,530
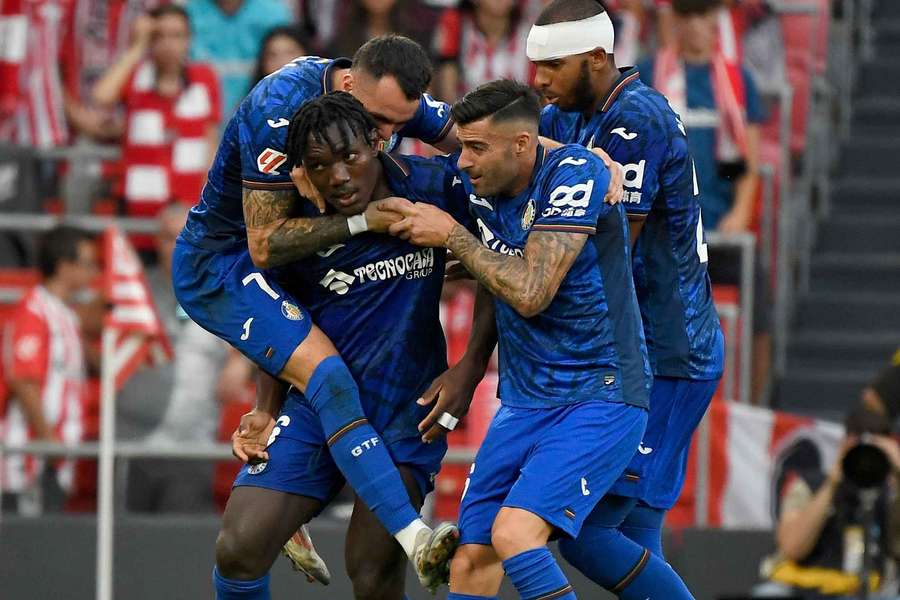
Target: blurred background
110,113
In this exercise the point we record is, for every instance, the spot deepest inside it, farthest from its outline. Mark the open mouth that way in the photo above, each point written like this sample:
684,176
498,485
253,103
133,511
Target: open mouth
345,198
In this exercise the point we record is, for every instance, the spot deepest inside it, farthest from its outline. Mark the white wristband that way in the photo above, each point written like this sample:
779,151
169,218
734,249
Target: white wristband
357,224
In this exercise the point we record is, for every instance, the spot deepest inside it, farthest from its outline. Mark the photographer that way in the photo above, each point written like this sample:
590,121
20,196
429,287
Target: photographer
820,533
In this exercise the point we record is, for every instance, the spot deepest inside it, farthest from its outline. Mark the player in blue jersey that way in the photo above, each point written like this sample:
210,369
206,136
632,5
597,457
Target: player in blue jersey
243,226
574,376
594,103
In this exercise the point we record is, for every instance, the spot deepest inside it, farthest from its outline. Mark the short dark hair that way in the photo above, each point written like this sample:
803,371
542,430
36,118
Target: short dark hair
60,244
502,100
170,9
397,56
561,11
695,7
315,116
862,419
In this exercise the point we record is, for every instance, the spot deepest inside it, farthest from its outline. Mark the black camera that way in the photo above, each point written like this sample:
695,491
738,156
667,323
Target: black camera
866,465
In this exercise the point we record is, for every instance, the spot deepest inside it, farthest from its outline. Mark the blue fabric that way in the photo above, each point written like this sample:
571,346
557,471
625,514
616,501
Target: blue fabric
639,130
657,471
359,452
643,526
700,122
455,596
588,344
610,559
226,294
231,42
556,463
233,589
535,574
299,462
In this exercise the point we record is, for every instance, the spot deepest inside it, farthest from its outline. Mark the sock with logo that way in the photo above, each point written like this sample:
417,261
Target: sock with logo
613,561
535,574
356,448
455,596
643,526
234,589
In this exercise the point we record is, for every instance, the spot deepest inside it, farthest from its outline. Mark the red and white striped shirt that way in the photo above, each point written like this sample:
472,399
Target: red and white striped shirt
458,39
166,152
31,91
42,343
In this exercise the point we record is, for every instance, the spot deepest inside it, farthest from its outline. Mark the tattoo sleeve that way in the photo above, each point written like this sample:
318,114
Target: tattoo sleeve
275,239
528,283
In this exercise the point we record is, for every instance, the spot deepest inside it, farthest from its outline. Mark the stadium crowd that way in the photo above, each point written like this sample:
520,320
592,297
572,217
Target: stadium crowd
159,80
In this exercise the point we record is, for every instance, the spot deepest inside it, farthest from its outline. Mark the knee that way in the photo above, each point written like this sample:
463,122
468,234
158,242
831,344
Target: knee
516,531
463,566
236,558
373,579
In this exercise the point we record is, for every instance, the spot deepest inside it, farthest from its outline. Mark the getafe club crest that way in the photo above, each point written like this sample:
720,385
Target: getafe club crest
291,311
528,215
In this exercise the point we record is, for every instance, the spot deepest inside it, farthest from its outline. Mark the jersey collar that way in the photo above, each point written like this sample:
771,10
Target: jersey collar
395,167
338,63
627,75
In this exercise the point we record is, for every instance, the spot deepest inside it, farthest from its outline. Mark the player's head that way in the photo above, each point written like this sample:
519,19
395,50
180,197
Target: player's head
171,36
389,75
334,139
67,256
497,126
695,26
571,46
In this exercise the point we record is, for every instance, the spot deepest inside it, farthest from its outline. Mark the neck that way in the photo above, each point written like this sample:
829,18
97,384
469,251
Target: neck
493,27
379,23
382,190
229,6
337,79
601,87
694,56
57,288
526,170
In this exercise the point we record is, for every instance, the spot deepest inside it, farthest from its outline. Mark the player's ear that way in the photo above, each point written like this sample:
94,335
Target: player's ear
523,142
346,83
597,59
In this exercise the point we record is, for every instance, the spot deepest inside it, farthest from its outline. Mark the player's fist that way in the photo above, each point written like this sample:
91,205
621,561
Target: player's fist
249,441
422,224
378,218
614,191
452,393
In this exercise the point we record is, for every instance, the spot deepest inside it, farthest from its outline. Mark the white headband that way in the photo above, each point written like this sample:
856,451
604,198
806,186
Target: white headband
558,40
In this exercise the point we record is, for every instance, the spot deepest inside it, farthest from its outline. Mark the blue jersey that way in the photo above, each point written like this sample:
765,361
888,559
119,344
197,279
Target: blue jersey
636,126
377,298
588,344
251,153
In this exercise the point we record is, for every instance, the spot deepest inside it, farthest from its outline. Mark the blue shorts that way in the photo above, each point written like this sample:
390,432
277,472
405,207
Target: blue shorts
554,462
300,463
226,294
656,473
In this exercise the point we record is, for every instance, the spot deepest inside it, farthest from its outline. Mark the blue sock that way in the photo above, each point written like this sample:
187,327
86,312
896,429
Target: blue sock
613,561
233,589
356,448
643,526
455,596
535,574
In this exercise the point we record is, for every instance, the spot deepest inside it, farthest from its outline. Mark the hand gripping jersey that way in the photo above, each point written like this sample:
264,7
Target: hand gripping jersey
636,126
251,153
588,344
377,298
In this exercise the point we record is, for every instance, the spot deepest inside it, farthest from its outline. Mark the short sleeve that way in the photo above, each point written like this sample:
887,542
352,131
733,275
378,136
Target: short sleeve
262,134
571,198
29,341
756,113
431,123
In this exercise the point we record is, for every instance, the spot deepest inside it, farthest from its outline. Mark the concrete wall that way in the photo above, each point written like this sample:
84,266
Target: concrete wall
170,558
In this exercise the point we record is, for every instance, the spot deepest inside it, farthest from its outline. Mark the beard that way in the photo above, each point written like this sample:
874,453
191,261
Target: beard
583,94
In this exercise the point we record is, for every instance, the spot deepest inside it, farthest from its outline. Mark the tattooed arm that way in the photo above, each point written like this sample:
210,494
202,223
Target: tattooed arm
274,239
527,283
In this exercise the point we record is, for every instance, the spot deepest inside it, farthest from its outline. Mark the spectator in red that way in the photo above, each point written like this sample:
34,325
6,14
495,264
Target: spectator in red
172,112
44,365
480,41
281,45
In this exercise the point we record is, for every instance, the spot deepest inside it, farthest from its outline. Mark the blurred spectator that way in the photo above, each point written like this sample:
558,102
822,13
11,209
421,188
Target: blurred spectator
721,111
820,531
280,46
883,394
480,41
44,367
227,35
173,404
172,111
361,20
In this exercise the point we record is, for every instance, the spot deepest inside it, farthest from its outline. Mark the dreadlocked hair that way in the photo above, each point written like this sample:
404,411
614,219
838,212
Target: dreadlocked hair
315,116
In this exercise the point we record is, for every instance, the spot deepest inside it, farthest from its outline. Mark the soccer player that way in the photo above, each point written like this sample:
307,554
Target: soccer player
376,298
574,376
594,103
244,225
